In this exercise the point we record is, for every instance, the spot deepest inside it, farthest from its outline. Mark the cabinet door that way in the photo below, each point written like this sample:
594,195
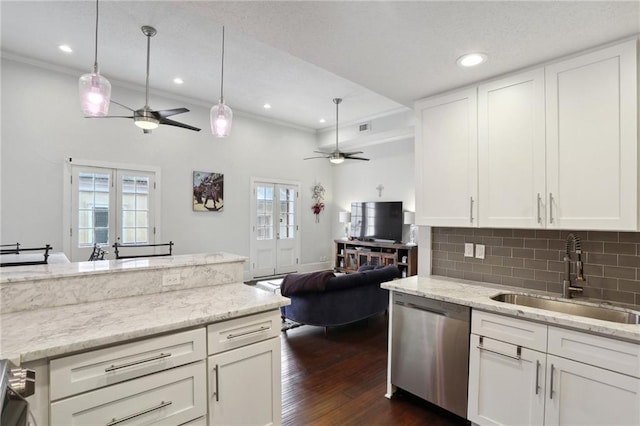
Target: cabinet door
579,394
505,388
446,160
244,385
592,138
511,151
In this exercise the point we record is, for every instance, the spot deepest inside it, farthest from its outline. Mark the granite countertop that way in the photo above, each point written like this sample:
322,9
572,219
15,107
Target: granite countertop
64,270
478,296
51,332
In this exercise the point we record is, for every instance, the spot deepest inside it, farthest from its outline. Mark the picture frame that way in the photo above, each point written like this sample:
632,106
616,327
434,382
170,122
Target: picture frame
208,191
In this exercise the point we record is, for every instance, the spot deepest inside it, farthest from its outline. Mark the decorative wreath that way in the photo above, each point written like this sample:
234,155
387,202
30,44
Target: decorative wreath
317,194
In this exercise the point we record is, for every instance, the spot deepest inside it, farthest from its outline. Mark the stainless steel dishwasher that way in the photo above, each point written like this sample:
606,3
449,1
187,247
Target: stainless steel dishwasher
430,350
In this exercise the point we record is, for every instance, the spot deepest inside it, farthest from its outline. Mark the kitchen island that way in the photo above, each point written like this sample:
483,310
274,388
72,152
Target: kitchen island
88,310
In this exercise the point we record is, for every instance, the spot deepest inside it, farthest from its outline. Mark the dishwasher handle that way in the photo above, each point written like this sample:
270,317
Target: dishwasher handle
421,308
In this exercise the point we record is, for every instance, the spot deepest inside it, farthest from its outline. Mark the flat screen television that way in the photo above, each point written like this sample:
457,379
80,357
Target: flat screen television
377,220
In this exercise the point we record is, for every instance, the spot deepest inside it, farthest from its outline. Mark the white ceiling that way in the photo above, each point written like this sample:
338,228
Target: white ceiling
379,56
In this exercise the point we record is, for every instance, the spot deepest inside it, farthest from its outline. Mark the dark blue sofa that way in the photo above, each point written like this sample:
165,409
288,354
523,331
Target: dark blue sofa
322,299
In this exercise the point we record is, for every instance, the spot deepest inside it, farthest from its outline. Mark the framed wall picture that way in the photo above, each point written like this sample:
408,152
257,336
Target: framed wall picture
208,191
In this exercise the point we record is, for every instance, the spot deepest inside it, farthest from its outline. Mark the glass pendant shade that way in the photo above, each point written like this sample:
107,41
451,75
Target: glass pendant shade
221,120
95,94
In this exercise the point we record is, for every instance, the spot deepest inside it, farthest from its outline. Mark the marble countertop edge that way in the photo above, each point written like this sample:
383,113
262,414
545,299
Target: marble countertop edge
53,332
478,296
65,270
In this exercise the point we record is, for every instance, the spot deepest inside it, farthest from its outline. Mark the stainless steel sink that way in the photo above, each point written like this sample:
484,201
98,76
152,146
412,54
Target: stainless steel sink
568,307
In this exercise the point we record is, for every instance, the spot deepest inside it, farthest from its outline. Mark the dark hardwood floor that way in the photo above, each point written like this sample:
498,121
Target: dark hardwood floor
340,379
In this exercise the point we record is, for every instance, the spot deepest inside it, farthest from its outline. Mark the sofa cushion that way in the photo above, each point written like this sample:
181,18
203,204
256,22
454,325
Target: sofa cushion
372,276
366,268
305,283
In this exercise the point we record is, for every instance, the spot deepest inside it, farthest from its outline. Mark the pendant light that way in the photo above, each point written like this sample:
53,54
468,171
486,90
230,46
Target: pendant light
95,90
221,114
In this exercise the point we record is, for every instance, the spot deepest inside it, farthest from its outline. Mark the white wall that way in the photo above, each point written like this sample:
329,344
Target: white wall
42,126
391,165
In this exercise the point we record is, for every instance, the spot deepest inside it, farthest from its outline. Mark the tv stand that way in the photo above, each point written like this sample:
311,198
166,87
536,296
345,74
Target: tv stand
350,255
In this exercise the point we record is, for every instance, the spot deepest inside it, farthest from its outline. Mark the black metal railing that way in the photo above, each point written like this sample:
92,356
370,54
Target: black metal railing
17,250
118,246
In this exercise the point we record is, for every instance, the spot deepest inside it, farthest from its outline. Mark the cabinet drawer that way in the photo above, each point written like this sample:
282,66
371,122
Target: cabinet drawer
615,355
243,331
91,370
512,330
170,397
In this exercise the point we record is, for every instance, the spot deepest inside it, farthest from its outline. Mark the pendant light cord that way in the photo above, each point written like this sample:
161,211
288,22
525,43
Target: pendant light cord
95,60
222,71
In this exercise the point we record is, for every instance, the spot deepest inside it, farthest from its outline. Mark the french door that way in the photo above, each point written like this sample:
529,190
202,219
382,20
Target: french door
275,242
110,205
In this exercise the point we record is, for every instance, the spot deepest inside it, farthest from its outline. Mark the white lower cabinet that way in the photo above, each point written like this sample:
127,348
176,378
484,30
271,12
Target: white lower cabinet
505,384
245,385
510,384
244,371
170,397
580,394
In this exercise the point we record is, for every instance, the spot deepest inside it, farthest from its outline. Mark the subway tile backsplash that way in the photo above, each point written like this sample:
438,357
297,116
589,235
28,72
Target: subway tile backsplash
532,259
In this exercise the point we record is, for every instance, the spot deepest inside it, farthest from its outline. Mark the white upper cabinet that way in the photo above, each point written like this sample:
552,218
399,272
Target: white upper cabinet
446,160
554,147
511,151
592,139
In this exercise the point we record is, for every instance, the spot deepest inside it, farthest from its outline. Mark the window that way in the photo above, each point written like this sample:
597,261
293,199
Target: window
109,205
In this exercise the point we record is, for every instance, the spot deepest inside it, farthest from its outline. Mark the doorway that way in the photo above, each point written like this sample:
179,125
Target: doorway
275,234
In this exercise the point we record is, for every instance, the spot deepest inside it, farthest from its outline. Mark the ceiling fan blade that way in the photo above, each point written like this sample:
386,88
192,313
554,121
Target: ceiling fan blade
113,116
177,124
311,158
348,157
169,112
122,105
352,153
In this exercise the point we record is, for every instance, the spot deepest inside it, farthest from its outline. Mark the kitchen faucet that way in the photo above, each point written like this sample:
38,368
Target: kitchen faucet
567,289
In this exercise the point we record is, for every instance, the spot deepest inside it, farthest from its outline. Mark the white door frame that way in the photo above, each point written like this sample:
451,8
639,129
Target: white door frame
252,215
66,194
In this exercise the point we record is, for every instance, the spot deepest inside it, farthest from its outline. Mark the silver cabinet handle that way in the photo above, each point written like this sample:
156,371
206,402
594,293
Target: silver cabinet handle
471,210
537,376
142,361
518,355
232,336
216,393
550,207
551,384
539,217
162,404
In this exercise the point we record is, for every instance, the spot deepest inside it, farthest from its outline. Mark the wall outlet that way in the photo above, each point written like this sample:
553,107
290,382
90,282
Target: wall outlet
468,249
170,279
323,258
480,251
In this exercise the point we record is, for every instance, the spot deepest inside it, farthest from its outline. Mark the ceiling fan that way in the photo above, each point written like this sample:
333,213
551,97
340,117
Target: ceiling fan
337,156
146,118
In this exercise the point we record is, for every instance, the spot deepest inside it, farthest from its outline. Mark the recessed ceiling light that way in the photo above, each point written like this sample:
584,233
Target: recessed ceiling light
471,59
178,80
65,48
322,120
267,106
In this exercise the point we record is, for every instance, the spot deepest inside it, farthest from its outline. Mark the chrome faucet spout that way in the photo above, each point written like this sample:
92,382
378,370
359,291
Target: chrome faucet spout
567,288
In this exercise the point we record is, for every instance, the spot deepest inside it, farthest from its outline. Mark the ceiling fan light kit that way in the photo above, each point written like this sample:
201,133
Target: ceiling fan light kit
95,90
221,114
337,156
146,118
